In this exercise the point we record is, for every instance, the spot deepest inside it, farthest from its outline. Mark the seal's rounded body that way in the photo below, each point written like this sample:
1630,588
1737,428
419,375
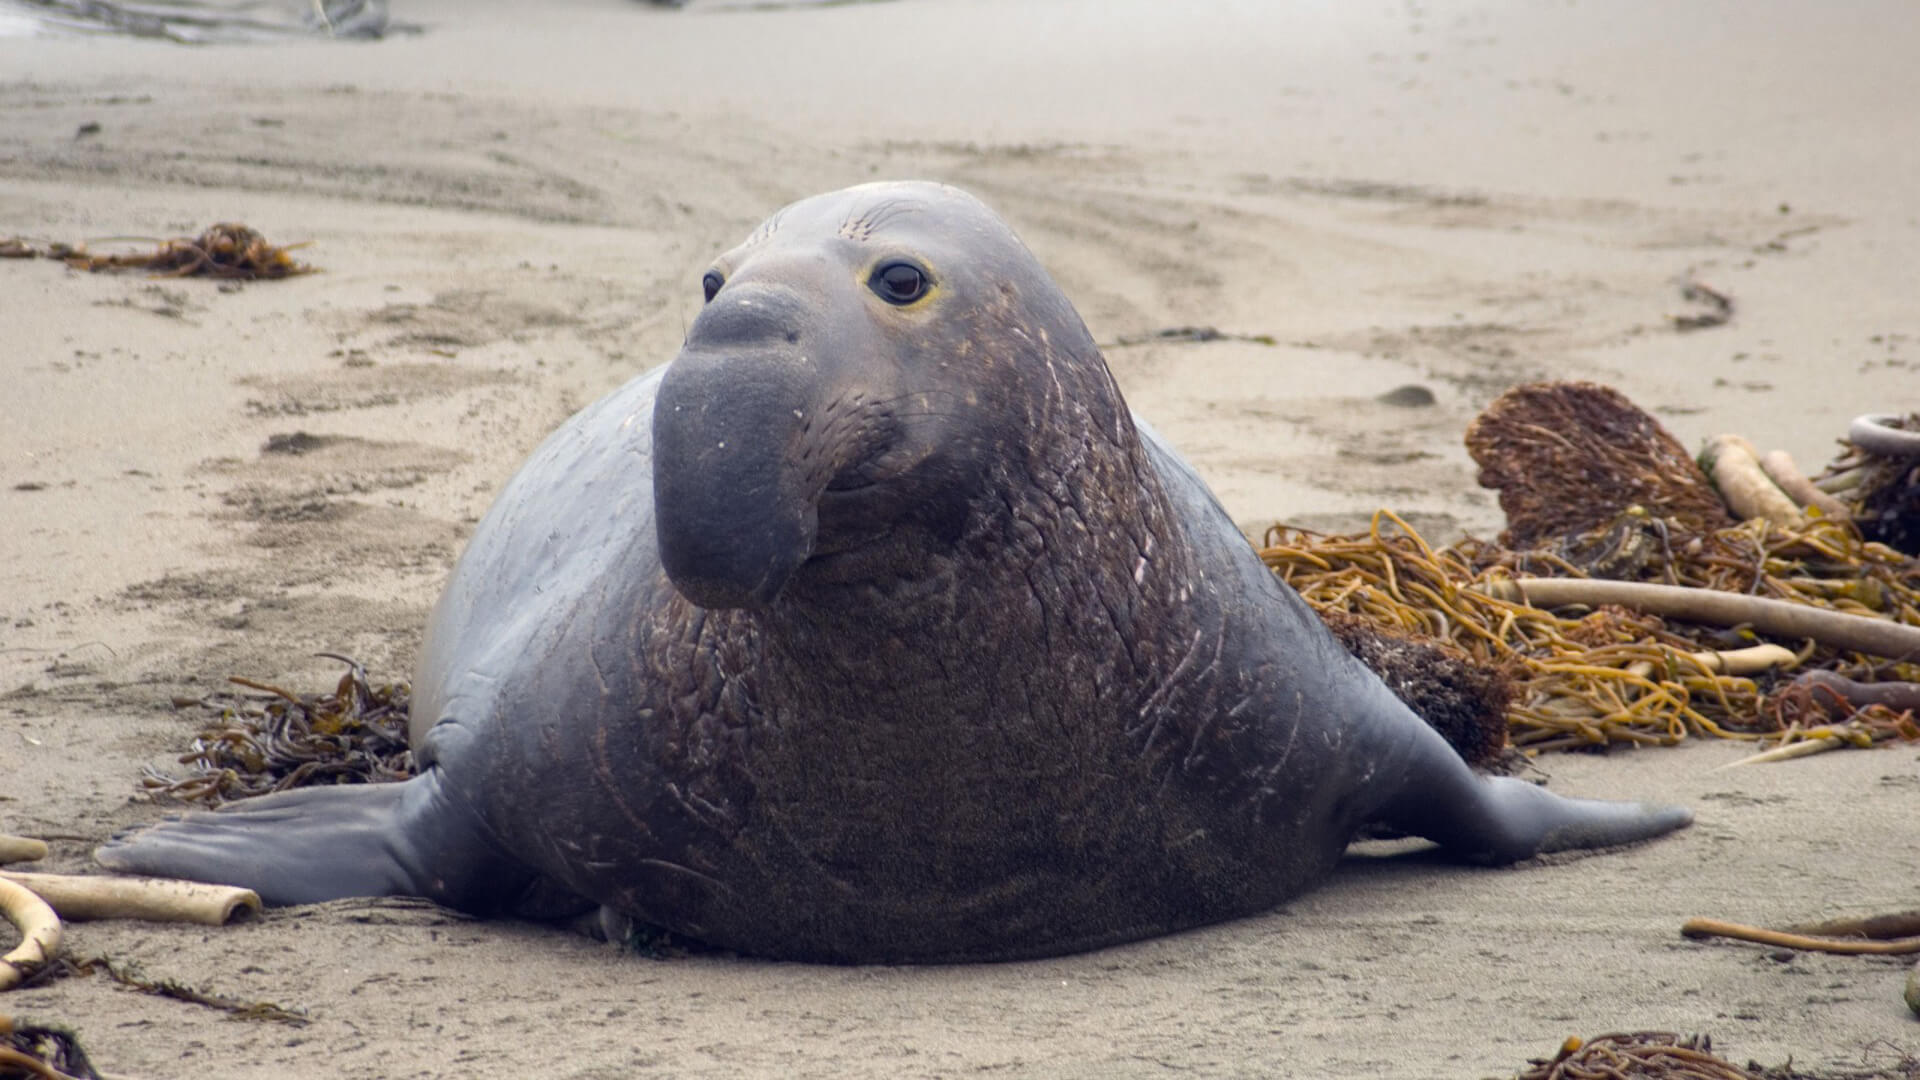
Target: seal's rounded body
874,627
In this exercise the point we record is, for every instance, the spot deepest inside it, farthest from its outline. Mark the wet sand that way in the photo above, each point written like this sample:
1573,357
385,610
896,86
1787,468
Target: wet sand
511,212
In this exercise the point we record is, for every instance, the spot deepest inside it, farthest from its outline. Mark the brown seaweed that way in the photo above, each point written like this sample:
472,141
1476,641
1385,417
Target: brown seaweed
227,252
1570,458
1609,675
1663,1055
274,740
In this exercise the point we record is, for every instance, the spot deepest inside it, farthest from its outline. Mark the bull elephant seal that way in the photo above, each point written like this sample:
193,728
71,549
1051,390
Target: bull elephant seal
875,628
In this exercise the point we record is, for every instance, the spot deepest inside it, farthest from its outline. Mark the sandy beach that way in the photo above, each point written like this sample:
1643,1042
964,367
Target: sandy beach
510,211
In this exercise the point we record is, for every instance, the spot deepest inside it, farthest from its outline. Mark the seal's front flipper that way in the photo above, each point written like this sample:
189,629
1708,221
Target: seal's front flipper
1497,820
302,847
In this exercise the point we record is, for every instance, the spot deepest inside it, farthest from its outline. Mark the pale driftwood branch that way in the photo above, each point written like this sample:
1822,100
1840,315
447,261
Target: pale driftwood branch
1818,744
1877,435
1748,661
20,849
1780,467
39,933
1774,618
1734,467
29,1066
90,896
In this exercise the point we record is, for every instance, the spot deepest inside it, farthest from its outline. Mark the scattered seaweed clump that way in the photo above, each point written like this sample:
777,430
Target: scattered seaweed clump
1656,1055
41,1052
228,252
1585,677
1663,1055
129,976
274,740
1595,488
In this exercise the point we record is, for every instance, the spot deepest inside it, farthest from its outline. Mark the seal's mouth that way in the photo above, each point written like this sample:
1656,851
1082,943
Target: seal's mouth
850,515
849,482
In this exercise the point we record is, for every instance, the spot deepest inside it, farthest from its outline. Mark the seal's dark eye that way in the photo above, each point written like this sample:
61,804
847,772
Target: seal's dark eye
899,283
711,284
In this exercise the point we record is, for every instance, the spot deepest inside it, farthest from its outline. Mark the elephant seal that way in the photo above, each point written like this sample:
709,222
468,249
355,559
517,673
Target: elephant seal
875,627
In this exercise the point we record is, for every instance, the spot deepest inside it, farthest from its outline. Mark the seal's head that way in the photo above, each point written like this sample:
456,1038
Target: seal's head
867,364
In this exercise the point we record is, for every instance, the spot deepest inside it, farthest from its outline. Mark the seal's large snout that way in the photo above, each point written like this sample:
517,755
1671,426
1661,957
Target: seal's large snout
733,514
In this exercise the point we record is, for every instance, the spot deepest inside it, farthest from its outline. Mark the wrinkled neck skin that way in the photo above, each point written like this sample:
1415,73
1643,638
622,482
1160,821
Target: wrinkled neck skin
1029,614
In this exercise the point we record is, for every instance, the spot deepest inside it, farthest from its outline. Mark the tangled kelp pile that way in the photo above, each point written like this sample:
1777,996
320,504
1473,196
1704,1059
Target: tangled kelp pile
1614,675
1650,1054
272,740
1596,489
1664,1055
227,251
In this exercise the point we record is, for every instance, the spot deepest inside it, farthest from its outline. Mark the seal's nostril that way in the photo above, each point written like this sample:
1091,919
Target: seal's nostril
752,313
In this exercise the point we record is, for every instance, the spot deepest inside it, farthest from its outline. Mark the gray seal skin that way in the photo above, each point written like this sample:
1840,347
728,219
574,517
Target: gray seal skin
875,628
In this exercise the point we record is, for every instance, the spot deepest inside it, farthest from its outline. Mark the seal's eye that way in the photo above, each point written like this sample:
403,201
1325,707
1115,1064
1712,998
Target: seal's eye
899,282
711,284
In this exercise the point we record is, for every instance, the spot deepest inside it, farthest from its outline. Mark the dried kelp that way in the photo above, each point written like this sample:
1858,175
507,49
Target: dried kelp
1595,487
1715,307
273,740
1611,675
129,976
1571,457
227,251
1656,1055
41,1052
1663,1055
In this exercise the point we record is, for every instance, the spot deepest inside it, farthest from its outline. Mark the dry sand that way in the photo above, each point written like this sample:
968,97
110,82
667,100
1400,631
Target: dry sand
512,210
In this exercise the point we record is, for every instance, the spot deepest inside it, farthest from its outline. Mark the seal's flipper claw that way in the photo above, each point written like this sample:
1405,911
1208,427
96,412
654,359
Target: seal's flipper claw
315,844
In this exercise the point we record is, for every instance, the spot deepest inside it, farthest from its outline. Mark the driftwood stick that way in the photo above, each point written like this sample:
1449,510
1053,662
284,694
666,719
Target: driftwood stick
1818,744
39,933
1898,696
30,1066
1780,467
91,896
1879,435
20,849
1733,465
1775,618
1748,661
